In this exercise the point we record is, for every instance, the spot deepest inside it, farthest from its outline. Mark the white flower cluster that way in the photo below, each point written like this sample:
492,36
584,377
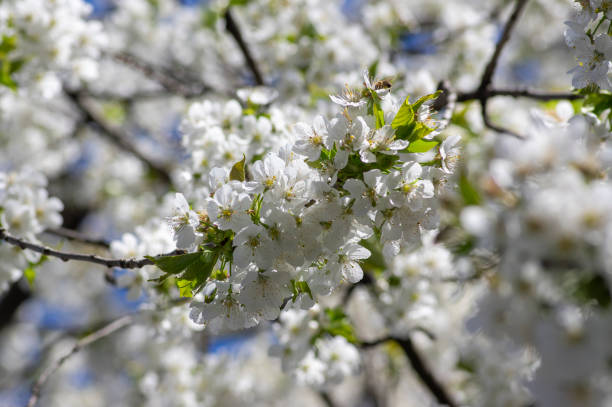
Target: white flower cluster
499,373
313,357
43,40
546,212
593,50
410,290
26,209
219,134
294,226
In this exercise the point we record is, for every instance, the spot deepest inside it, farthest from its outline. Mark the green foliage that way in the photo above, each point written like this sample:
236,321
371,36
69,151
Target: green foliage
591,288
468,192
30,272
191,270
300,287
197,273
466,365
9,67
378,114
337,324
373,68
209,18
421,146
30,275
237,172
599,102
376,262
406,124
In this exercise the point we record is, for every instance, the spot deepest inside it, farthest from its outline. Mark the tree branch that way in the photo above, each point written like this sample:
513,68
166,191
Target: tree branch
11,300
83,342
162,77
116,137
525,93
77,236
483,91
423,372
232,27
88,258
487,122
487,76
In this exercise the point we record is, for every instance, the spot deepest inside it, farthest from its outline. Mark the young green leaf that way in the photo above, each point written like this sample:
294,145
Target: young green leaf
175,264
237,172
468,192
416,105
421,146
404,116
379,115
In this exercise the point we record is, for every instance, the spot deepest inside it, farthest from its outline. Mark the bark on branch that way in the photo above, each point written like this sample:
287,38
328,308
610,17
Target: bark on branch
417,362
232,28
88,258
115,136
82,343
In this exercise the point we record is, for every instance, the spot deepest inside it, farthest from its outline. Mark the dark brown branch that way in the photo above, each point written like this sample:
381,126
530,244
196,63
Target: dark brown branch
88,258
11,300
491,125
232,27
120,140
77,237
326,399
487,76
82,343
524,93
420,368
162,76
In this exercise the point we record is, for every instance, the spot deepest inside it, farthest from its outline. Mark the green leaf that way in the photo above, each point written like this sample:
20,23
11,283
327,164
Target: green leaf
421,146
468,192
378,114
209,18
192,269
405,123
7,45
5,75
598,102
30,275
416,105
338,324
591,288
8,67
175,264
373,68
404,116
237,172
197,273
300,287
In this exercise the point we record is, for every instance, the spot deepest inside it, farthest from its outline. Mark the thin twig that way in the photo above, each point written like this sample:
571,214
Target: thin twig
162,77
232,27
524,93
120,140
487,76
82,343
326,398
77,237
482,92
423,372
135,96
88,258
491,125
